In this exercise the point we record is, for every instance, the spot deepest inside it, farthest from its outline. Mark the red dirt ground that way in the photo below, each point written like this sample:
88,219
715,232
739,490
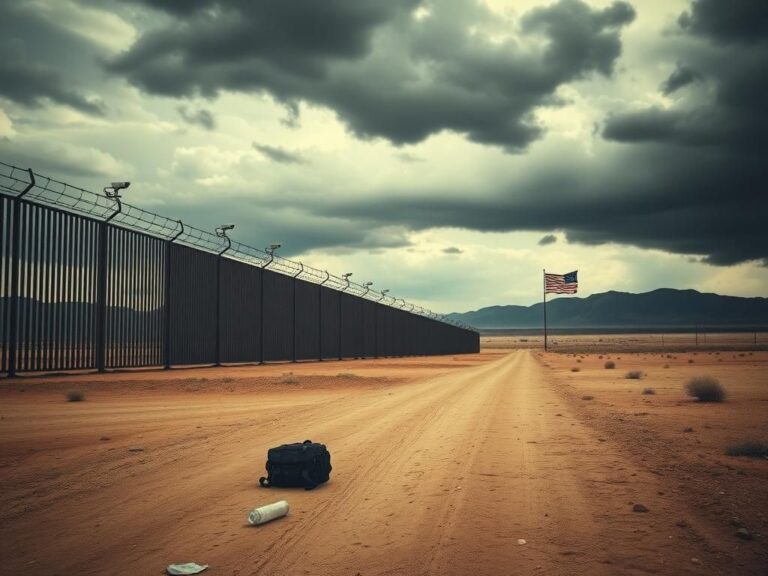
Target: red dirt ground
440,465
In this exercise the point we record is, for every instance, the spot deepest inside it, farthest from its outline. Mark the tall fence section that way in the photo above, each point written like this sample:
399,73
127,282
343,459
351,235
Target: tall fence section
89,282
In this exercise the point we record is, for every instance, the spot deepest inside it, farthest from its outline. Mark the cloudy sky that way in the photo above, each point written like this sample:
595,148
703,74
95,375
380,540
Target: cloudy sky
445,149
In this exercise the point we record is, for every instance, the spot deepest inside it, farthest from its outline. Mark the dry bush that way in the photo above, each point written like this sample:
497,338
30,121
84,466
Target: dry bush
575,369
75,396
705,389
289,378
750,449
610,365
633,375
648,391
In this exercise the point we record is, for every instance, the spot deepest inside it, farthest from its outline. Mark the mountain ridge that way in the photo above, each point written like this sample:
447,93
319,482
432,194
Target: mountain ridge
659,307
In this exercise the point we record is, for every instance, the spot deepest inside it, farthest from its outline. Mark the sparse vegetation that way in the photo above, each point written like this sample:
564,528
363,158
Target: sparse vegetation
587,397
666,365
75,396
289,378
648,391
346,375
705,389
633,375
610,365
749,449
690,360
575,369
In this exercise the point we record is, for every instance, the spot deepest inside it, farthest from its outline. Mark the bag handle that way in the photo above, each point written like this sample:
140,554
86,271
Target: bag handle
307,442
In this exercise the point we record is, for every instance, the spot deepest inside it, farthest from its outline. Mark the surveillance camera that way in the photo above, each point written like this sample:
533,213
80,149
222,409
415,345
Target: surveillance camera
274,246
120,185
227,226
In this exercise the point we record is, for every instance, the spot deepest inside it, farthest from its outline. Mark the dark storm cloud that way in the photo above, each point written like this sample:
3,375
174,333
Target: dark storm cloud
681,76
43,63
280,155
548,239
732,21
203,118
32,84
706,153
701,203
385,73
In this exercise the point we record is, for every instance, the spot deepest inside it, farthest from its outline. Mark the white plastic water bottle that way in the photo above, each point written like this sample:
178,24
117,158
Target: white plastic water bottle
269,512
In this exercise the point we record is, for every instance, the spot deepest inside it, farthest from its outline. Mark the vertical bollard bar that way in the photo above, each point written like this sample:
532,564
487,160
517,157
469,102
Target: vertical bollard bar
14,300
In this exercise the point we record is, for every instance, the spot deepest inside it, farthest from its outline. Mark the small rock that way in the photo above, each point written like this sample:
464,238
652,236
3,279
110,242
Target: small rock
744,534
689,429
521,541
639,508
136,449
695,561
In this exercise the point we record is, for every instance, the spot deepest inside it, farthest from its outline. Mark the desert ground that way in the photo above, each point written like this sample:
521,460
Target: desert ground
511,461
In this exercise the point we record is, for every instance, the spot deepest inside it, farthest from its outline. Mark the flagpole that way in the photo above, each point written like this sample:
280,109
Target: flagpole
544,280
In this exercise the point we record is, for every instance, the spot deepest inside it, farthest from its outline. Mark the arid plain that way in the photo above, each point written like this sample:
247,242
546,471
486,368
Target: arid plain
512,461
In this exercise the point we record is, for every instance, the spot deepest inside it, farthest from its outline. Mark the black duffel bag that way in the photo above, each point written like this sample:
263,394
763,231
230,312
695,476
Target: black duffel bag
300,465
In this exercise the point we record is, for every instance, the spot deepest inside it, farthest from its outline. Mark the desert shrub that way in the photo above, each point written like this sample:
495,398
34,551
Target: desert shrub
575,369
75,396
610,364
751,449
666,365
289,378
648,391
633,375
705,389
587,397
690,360
600,357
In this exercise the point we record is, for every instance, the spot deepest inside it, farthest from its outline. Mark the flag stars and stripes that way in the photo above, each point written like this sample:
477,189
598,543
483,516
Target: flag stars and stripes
560,283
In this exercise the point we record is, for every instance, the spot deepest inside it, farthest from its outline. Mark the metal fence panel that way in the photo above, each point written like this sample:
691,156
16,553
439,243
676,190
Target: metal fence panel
278,316
351,326
330,314
135,299
192,298
307,322
240,312
55,287
368,336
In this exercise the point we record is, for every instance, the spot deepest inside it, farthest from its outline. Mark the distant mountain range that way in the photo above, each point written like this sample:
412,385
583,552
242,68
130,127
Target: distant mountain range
662,307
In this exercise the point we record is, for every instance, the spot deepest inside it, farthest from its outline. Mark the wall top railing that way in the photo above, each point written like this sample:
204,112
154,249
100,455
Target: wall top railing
34,187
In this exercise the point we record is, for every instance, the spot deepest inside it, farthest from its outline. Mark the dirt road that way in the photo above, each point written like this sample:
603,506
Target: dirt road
445,475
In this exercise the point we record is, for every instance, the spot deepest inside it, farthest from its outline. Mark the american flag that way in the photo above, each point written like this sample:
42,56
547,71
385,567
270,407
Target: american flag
560,283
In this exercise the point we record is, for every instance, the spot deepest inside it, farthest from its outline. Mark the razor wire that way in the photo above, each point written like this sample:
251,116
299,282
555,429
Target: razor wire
17,182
